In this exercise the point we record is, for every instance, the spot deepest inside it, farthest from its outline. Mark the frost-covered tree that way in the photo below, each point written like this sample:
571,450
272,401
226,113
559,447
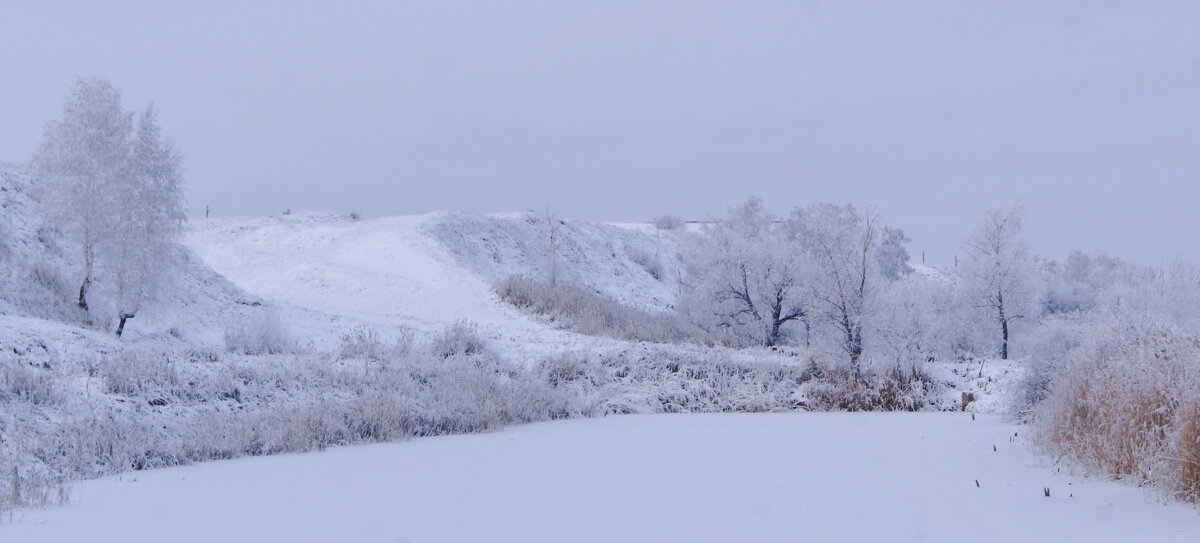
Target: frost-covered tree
892,255
842,246
116,189
746,281
667,222
82,157
997,273
151,216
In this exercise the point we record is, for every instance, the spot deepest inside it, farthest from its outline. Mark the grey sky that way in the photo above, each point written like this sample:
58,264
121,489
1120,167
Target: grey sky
1089,112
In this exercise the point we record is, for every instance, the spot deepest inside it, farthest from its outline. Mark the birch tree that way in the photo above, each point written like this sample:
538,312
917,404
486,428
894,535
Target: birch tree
151,216
82,157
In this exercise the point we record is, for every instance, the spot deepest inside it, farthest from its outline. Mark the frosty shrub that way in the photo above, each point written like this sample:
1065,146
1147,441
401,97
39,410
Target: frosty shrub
22,381
129,372
260,333
668,222
1048,346
364,342
460,338
1127,404
587,312
895,387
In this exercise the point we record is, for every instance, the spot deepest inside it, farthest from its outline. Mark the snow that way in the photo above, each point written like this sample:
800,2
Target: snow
328,273
824,477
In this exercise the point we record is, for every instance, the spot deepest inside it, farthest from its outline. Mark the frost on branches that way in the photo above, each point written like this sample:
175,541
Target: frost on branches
113,185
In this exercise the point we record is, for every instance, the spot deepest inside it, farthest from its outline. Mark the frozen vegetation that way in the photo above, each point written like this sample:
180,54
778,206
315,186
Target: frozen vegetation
131,340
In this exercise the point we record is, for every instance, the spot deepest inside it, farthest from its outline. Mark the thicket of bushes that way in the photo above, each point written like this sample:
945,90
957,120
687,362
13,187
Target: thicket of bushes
1126,403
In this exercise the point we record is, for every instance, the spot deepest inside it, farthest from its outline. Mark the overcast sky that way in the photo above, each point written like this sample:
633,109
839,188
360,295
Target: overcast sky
1088,112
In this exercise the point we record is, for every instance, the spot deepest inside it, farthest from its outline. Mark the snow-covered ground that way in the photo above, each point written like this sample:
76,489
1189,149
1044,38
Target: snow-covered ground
821,477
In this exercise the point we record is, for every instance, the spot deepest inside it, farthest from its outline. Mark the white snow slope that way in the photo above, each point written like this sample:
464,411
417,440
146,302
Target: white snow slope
426,271
819,477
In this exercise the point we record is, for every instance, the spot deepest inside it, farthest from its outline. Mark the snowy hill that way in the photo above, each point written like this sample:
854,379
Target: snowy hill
329,273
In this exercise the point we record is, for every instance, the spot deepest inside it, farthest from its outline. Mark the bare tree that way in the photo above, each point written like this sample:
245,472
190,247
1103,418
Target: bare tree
746,282
841,243
997,271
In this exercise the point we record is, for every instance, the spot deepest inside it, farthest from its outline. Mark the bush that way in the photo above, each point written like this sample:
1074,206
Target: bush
894,388
1127,404
131,372
22,381
668,222
260,333
364,342
460,338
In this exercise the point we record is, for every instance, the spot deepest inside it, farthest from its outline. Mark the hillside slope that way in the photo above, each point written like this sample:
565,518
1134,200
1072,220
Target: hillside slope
425,272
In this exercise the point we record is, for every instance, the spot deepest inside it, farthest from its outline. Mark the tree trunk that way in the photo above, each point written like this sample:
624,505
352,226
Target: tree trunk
83,289
856,350
87,272
1004,336
1003,326
121,326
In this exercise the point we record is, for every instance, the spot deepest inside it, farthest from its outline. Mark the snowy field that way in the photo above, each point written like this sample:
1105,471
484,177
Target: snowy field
819,477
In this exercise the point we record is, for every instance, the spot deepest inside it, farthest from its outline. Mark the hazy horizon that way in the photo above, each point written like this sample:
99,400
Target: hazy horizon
931,112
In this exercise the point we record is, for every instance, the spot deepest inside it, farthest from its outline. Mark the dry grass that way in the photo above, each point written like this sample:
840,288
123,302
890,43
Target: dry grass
1128,405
